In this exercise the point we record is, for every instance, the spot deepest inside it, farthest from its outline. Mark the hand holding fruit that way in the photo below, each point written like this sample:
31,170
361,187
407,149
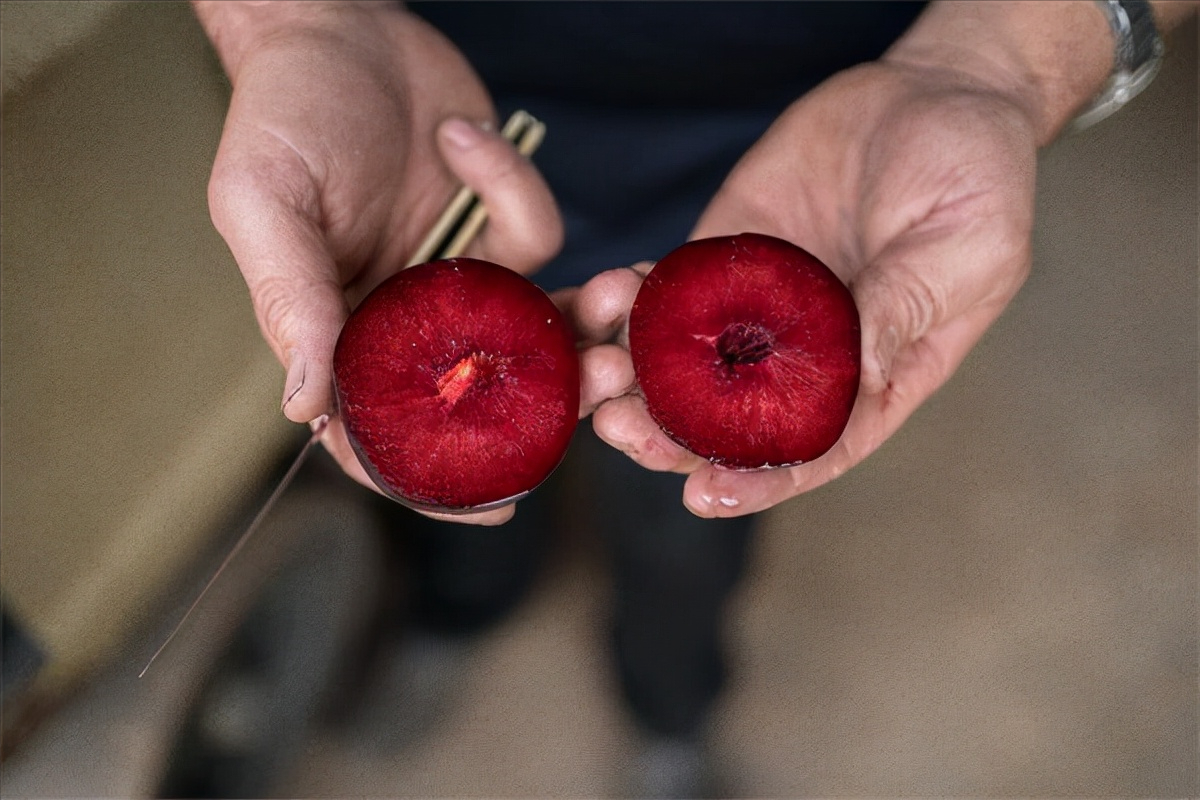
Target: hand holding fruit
916,188
912,178
349,127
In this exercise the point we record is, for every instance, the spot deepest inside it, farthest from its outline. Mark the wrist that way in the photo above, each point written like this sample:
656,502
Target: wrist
1047,58
237,27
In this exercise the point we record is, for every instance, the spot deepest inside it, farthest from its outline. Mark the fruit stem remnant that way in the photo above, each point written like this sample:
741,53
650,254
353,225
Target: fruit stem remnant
458,379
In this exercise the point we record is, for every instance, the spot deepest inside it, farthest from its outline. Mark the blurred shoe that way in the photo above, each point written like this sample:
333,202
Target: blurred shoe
671,767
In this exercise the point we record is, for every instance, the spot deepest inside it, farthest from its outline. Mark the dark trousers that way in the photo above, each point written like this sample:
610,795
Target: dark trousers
672,573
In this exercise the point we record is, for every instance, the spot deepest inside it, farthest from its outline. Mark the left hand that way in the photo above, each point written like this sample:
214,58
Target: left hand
916,187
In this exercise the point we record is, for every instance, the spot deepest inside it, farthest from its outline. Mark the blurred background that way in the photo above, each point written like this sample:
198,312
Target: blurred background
1002,601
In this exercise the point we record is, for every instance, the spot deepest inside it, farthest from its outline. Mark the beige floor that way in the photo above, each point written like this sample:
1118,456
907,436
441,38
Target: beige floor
1002,601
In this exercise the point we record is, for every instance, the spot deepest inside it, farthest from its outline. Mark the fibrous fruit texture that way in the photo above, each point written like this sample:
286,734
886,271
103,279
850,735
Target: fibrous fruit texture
747,351
458,382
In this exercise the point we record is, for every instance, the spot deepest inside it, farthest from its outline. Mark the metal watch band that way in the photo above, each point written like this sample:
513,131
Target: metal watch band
1138,56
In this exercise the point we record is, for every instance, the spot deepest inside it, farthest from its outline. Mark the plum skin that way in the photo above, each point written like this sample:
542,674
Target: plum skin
747,351
458,382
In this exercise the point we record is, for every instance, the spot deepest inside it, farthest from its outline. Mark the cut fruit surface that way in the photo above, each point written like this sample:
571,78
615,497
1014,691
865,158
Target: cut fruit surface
746,349
458,383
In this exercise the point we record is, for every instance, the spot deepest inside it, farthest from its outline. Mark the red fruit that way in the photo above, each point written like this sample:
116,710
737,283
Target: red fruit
458,382
747,350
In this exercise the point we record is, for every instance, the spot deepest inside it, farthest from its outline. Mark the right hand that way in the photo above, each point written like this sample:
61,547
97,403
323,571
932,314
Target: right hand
339,152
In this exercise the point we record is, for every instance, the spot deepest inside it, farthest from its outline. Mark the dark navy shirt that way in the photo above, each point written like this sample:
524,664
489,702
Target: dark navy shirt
648,105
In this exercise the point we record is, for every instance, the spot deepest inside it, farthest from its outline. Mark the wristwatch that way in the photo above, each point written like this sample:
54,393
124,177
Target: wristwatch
1139,53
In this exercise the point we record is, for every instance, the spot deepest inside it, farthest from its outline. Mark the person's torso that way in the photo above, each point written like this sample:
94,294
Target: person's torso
648,105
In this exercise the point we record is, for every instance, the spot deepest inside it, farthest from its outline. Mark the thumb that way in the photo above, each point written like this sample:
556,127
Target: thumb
302,319
927,298
294,288
895,312
524,228
906,292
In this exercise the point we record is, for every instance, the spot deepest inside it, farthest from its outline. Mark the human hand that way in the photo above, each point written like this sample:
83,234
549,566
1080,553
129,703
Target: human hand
349,128
912,179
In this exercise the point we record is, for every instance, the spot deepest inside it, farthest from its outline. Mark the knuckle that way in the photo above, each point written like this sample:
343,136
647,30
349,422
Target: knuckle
275,299
233,195
242,188
286,301
919,303
222,187
1016,254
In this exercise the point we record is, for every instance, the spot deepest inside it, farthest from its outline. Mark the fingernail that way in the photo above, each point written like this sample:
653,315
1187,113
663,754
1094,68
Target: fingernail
702,507
461,133
295,379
